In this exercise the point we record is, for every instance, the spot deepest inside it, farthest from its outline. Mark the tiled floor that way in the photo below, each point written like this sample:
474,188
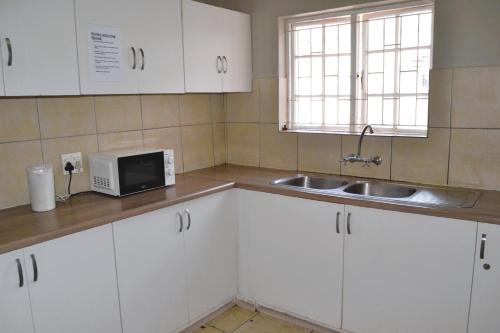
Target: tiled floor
240,320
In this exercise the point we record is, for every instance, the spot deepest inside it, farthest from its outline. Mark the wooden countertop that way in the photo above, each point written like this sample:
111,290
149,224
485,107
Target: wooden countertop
20,227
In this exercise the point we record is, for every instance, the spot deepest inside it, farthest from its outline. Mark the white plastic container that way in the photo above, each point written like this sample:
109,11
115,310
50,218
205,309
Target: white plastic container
41,187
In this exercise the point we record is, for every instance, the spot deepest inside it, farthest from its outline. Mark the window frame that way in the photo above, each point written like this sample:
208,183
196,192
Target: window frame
286,55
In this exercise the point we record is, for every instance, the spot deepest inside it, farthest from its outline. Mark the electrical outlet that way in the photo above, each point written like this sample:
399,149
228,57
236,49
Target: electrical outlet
73,158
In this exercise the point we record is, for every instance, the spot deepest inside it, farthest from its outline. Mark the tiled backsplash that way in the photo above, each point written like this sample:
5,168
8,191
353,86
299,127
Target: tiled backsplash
35,130
463,147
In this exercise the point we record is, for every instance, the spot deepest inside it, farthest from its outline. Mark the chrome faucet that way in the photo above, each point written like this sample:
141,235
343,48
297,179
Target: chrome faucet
351,158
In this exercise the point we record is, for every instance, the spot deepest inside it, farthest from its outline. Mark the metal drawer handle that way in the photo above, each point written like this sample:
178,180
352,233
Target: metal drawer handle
348,223
142,55
9,49
35,268
219,64
181,223
338,223
188,213
20,273
224,64
483,246
134,65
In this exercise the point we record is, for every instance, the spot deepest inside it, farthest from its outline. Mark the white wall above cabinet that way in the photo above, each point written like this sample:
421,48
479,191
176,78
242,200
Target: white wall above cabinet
217,49
147,46
38,46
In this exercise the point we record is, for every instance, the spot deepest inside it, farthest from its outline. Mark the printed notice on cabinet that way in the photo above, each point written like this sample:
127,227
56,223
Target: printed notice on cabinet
105,53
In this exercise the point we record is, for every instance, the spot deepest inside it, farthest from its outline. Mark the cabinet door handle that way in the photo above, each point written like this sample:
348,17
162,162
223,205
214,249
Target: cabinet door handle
348,223
35,268
219,64
483,246
337,223
142,55
181,222
9,49
20,273
188,213
224,64
134,65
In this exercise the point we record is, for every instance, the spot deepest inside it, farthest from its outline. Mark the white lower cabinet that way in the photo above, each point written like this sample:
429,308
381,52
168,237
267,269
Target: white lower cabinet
15,311
485,305
294,255
406,273
72,283
176,264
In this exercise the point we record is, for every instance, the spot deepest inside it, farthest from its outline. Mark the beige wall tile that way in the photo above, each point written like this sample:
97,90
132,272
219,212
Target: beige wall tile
195,109
475,158
217,108
197,147
440,97
66,116
160,111
319,153
219,144
52,150
18,119
243,107
476,97
243,144
372,146
118,113
14,159
120,140
268,92
164,138
277,150
422,160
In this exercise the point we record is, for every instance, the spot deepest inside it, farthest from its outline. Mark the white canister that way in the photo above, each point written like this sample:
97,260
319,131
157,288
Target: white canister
41,186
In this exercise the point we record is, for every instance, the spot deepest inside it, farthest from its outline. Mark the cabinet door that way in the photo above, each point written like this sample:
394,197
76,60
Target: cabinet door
159,38
296,255
406,273
486,288
237,49
211,252
15,311
42,48
2,87
116,18
75,288
151,272
203,26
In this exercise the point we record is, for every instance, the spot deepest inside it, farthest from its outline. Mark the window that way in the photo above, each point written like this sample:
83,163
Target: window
349,69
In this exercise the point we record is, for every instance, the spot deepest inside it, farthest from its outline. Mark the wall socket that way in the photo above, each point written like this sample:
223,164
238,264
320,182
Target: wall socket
73,158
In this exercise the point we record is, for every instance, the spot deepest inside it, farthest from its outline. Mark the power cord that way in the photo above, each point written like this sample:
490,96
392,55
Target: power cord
68,167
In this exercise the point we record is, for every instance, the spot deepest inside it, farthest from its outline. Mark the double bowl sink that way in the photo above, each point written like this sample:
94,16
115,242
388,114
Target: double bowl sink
382,191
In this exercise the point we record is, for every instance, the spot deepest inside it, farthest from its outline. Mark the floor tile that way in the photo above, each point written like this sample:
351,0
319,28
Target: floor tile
265,324
207,329
232,319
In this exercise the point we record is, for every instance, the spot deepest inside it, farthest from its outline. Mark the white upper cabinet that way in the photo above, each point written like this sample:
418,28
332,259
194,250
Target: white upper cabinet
140,50
72,283
151,271
38,46
485,308
15,311
217,49
293,252
406,273
2,88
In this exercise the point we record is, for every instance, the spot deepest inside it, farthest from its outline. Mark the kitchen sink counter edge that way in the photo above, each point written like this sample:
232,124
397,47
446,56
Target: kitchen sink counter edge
20,227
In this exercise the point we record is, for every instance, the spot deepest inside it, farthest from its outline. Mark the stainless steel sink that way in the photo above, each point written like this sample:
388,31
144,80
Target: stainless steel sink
309,182
377,189
413,195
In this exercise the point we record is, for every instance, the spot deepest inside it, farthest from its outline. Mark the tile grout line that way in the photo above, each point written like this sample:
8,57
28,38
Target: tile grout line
39,128
450,135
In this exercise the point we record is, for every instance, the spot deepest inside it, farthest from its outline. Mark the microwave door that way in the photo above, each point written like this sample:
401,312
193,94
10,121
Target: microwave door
141,172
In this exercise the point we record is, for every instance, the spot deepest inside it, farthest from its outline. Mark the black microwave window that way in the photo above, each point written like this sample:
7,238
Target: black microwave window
141,172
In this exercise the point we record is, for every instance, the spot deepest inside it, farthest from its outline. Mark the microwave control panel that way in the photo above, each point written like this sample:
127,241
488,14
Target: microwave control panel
169,167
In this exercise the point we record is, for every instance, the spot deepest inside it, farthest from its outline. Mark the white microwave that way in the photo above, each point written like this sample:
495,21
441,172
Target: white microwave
124,172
